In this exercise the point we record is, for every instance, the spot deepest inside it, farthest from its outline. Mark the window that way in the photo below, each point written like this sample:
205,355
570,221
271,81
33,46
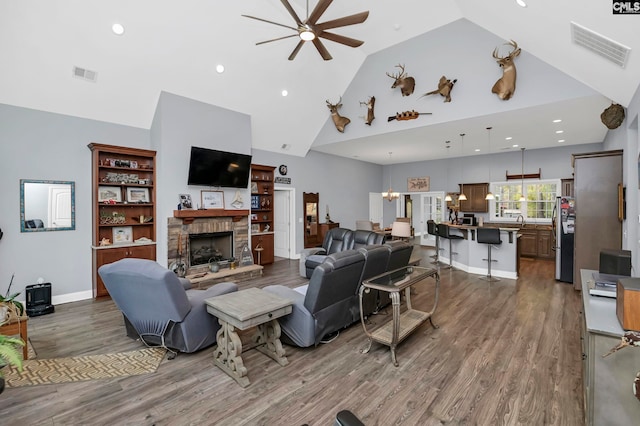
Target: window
538,208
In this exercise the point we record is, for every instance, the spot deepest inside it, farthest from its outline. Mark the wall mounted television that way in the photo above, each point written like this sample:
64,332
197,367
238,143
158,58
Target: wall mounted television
209,167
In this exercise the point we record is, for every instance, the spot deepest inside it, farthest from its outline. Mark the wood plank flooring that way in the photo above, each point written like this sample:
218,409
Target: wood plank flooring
505,353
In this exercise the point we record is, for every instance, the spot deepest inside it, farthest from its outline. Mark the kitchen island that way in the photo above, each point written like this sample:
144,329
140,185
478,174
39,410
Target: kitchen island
470,256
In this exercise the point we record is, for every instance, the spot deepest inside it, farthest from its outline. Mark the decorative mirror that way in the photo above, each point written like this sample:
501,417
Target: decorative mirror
311,231
47,205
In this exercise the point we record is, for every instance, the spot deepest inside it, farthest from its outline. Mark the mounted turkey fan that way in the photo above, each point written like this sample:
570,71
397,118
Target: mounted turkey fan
310,30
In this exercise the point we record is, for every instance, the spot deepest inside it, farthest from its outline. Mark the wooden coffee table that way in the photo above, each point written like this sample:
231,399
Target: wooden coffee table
242,310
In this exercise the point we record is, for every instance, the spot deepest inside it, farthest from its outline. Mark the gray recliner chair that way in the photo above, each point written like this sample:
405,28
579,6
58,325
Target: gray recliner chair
399,256
327,305
156,305
336,240
376,260
363,238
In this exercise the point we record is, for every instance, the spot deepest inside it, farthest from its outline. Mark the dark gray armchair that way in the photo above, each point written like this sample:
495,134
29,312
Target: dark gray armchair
336,240
376,261
362,238
327,305
156,305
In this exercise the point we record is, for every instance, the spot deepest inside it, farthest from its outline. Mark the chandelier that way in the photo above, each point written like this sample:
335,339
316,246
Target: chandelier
390,195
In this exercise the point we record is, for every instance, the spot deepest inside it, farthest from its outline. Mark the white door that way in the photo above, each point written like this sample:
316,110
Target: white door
375,207
432,207
282,234
59,207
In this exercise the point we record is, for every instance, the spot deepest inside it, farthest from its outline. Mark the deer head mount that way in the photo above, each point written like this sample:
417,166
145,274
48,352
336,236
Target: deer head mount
404,82
370,104
340,121
444,88
506,85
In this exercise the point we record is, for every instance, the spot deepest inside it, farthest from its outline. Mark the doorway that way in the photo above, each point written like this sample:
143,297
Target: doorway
284,232
432,207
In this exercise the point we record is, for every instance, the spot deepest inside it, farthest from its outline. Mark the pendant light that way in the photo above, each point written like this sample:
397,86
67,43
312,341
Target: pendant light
522,197
462,197
489,194
390,195
448,197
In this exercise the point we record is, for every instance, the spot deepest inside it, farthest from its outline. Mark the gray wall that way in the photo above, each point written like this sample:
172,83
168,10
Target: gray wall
41,145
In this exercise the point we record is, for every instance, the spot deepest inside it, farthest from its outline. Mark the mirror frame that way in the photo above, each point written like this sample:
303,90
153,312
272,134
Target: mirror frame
311,198
23,227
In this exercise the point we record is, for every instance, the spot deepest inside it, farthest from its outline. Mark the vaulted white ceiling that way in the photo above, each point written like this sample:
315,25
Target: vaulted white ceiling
175,47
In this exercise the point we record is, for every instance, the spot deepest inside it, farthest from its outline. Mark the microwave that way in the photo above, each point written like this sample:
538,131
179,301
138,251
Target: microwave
471,221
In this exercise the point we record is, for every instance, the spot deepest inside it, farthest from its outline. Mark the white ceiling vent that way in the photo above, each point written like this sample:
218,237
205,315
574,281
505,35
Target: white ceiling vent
85,74
600,45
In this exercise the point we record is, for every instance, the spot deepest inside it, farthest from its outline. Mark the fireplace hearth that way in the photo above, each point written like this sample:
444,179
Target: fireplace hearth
207,248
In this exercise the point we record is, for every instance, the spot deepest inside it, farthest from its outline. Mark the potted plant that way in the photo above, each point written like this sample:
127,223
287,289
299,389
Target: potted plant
9,301
9,354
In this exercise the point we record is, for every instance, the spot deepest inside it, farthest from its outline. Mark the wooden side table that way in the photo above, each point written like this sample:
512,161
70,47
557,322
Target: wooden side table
18,327
244,309
402,324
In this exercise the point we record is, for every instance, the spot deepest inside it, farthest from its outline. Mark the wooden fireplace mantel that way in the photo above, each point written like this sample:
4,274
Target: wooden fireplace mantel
188,216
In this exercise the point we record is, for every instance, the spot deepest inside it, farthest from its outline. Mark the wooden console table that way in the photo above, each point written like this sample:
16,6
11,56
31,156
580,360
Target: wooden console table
402,325
244,309
18,327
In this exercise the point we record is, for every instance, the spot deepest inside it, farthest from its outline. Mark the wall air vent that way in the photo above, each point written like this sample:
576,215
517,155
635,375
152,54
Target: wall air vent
600,45
85,74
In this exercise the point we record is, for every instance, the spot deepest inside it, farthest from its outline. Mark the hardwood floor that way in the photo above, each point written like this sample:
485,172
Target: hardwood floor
505,353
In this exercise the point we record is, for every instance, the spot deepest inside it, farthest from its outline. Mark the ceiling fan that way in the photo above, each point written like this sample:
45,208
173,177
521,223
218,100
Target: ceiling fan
310,30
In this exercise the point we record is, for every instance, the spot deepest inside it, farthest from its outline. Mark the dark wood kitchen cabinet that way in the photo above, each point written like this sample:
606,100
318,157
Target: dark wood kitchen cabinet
475,202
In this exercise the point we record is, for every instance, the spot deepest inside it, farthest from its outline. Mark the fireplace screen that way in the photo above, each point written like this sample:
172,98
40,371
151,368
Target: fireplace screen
211,247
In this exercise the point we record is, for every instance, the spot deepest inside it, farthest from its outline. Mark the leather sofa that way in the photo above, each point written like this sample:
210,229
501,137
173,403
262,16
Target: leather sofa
328,304
336,240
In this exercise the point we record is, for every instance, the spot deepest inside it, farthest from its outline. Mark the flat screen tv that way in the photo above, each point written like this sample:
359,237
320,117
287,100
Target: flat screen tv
209,167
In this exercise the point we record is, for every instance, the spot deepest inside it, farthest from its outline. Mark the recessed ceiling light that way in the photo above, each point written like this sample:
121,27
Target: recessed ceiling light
285,93
521,3
219,68
514,145
477,150
559,131
118,29
557,120
508,138
560,140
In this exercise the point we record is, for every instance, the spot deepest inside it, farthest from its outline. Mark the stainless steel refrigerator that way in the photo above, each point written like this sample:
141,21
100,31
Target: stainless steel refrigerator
564,222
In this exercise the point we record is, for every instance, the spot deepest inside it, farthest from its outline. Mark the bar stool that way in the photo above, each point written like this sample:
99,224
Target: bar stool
432,229
491,237
443,232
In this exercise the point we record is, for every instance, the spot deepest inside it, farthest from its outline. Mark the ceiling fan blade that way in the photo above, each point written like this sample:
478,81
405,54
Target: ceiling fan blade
358,18
296,50
323,50
270,22
292,12
276,39
318,11
352,42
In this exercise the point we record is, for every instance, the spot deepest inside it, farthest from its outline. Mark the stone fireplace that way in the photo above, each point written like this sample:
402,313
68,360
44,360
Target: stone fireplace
203,235
209,247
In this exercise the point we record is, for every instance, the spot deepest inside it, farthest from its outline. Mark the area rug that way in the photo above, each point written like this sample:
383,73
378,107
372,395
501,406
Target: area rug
82,368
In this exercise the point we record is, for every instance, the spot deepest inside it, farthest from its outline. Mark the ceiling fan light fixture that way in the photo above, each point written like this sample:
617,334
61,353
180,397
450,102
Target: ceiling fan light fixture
307,35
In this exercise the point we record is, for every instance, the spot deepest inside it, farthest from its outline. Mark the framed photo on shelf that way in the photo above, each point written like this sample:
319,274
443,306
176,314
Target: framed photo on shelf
255,202
122,234
254,216
107,193
138,195
185,202
254,187
212,199
255,227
